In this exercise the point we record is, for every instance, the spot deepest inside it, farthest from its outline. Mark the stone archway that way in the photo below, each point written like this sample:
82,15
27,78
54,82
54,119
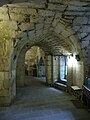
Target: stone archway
41,27
52,44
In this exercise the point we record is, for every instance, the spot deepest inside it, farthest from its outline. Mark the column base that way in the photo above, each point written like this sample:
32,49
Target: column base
5,101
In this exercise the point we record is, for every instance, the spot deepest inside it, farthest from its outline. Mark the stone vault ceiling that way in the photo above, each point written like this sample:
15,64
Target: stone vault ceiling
70,19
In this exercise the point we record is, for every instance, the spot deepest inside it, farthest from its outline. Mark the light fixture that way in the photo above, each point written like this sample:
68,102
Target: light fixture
72,60
77,57
70,55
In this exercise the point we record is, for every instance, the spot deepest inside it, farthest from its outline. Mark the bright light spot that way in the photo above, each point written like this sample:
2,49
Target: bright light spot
72,61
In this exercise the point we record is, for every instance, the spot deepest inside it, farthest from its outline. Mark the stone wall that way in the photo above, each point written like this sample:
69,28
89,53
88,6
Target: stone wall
49,69
75,73
56,67
5,56
56,26
74,14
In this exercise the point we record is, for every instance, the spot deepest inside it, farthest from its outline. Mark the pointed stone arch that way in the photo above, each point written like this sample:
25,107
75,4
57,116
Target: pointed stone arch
38,26
52,41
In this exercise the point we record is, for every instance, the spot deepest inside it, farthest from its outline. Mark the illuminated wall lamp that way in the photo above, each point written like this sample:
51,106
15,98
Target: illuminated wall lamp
71,55
77,57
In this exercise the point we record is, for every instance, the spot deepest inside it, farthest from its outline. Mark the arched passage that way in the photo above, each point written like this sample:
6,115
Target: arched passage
31,27
34,61
53,44
29,58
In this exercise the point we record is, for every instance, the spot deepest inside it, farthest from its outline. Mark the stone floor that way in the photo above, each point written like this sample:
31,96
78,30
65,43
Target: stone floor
40,102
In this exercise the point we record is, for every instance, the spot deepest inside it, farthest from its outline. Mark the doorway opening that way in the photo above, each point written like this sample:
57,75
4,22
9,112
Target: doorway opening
35,63
63,69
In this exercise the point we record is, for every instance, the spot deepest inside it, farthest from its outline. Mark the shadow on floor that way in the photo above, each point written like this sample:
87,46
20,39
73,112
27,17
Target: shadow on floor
78,104
39,102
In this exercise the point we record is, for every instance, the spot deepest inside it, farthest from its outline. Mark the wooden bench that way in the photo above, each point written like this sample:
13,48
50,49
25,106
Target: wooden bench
76,91
86,96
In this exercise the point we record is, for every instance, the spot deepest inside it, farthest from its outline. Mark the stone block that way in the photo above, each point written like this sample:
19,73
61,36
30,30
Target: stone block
85,28
40,19
7,75
84,53
25,11
68,17
55,22
37,1
31,34
18,1
31,27
68,28
67,20
24,26
49,63
77,3
6,81
87,61
58,7
13,25
1,84
4,92
13,89
76,28
13,34
3,10
89,21
74,13
44,32
1,76
13,73
58,15
87,38
21,34
48,58
66,33
82,35
4,16
59,28
70,2
55,1
47,26
49,71
30,4
34,19
80,20
38,33
8,27
48,20
46,13
5,100
87,13
78,8
85,43
39,26
17,17
73,38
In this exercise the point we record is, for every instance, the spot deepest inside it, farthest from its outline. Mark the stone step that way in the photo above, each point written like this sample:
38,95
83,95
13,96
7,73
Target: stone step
60,86
63,81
